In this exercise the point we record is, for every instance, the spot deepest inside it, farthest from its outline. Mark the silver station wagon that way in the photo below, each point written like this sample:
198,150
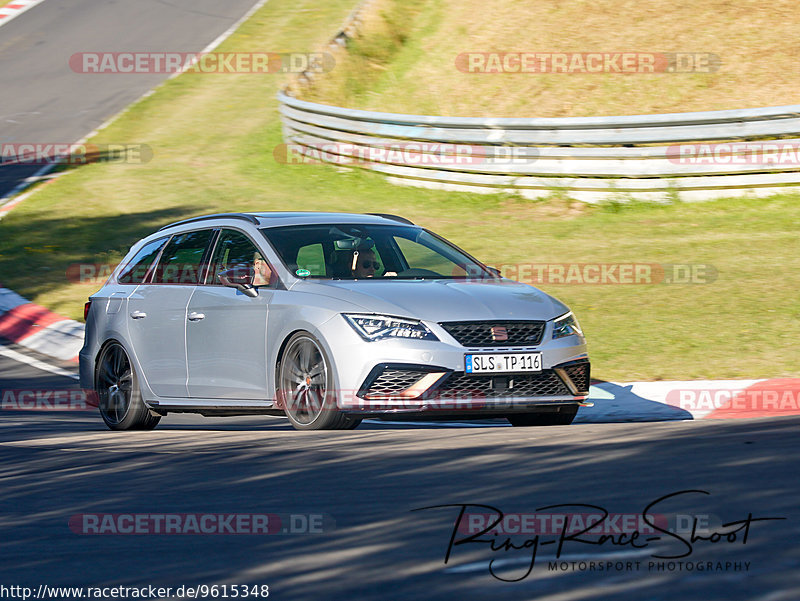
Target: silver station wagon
326,318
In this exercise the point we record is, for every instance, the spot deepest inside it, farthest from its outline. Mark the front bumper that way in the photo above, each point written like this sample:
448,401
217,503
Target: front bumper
409,388
439,368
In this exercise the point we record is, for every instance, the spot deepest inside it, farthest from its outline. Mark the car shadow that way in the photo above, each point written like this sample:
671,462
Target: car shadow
618,403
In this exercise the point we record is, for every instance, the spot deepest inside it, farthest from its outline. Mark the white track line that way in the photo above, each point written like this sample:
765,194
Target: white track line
11,354
228,32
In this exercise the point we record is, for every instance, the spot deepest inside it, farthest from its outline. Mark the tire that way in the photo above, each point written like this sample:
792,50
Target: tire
119,398
306,387
563,417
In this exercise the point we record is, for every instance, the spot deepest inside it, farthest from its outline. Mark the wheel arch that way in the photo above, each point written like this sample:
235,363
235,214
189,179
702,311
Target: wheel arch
317,335
144,387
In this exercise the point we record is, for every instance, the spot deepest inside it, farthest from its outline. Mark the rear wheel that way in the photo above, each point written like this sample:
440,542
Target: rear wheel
306,387
562,417
119,399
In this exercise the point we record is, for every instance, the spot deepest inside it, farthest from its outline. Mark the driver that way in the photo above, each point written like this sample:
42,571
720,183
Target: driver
364,264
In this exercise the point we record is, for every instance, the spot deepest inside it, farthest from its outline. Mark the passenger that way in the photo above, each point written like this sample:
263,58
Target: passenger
263,272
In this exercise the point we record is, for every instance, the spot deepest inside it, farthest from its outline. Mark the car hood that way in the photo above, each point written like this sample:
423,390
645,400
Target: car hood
440,300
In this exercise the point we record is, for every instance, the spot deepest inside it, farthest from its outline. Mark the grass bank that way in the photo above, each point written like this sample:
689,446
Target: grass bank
407,59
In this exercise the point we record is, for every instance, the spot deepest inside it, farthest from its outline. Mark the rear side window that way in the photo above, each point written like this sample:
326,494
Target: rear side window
182,258
136,270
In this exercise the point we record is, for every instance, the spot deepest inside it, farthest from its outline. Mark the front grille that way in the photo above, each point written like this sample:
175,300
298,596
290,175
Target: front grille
462,386
579,374
392,382
479,333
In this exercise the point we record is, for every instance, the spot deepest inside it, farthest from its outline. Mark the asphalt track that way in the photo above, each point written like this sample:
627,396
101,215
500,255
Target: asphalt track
43,101
367,484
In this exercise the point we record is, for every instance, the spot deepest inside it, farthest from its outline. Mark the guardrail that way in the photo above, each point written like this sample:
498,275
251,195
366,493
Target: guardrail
690,156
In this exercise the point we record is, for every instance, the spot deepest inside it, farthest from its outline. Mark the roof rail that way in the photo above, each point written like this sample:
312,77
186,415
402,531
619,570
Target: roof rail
251,218
392,217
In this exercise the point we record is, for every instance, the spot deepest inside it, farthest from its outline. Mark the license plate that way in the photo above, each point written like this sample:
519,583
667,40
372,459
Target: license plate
503,363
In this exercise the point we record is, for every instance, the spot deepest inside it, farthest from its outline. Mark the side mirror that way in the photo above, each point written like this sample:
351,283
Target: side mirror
495,271
240,278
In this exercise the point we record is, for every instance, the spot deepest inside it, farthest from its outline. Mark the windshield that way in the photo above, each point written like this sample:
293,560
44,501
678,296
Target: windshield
361,251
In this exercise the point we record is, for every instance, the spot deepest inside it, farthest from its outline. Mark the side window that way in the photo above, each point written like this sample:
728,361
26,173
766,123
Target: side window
235,250
312,258
183,258
136,270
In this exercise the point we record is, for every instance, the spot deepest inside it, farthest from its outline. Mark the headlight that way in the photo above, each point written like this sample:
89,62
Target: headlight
566,325
379,327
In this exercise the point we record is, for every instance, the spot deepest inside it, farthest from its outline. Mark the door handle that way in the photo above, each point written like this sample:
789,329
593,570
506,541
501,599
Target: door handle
138,315
194,316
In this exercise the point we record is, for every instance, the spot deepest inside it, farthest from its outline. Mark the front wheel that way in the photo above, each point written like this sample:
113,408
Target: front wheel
562,417
120,401
306,387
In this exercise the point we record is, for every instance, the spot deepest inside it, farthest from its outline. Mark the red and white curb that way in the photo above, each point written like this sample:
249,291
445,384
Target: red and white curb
14,9
34,327
7,207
